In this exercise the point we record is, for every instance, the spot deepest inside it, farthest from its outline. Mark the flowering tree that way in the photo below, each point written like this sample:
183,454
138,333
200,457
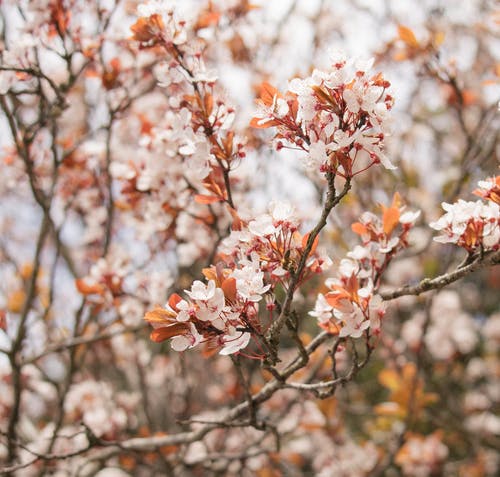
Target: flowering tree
217,262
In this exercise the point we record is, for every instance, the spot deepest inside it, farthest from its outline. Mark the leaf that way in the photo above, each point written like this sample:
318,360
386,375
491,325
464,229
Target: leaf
16,300
330,327
267,92
237,222
438,39
159,316
174,300
263,123
208,101
146,29
408,37
85,289
390,379
390,218
207,19
210,273
229,288
207,199
305,239
165,332
359,228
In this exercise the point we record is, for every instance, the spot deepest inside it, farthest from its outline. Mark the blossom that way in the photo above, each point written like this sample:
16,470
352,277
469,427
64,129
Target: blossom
250,282
352,318
489,189
234,342
200,291
469,225
322,309
187,340
422,455
262,226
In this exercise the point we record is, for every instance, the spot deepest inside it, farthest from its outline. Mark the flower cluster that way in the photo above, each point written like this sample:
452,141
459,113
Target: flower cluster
422,455
255,257
472,225
113,284
185,146
451,331
338,117
93,402
489,189
352,305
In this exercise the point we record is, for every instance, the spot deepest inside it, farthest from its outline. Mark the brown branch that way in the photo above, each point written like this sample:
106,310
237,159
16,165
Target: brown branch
332,200
427,284
83,340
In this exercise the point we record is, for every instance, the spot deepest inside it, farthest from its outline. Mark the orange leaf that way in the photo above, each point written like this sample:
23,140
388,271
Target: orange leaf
159,315
263,123
210,273
330,327
334,299
359,228
206,199
390,379
391,214
406,35
208,101
229,288
165,332
147,29
438,39
86,289
174,300
206,19
468,97
305,238
267,92
237,222
390,219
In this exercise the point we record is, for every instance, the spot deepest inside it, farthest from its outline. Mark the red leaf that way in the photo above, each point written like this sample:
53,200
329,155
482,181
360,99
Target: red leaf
174,300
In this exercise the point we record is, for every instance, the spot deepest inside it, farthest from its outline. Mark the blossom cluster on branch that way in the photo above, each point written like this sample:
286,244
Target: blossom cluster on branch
338,117
211,264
